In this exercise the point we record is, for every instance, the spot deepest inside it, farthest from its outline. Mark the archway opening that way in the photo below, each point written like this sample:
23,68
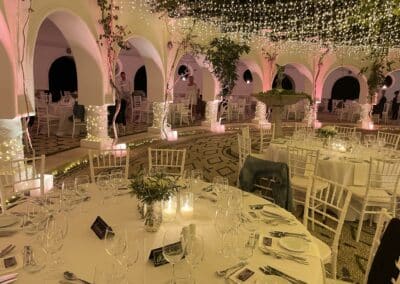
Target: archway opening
62,76
287,83
140,80
346,88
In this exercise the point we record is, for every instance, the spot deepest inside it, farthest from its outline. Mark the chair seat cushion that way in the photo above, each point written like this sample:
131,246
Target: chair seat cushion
377,195
324,250
303,182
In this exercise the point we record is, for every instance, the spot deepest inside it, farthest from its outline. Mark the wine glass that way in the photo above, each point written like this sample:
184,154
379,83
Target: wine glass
68,195
52,240
196,177
116,181
131,254
82,184
115,243
35,218
173,249
103,183
194,253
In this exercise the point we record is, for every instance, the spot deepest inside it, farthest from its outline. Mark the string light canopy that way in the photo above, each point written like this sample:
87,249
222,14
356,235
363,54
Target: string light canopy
371,23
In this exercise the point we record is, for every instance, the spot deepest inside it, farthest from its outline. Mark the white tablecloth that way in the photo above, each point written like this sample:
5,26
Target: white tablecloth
333,165
82,250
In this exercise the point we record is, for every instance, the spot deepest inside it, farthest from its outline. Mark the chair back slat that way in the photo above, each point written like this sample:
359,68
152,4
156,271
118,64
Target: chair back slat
170,161
391,139
267,134
108,160
319,207
302,161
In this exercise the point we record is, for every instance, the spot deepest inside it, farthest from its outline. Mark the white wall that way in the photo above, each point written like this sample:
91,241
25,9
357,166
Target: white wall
242,88
180,85
130,65
44,57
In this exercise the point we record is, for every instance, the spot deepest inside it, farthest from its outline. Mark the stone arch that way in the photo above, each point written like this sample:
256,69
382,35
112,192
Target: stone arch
8,81
91,89
342,71
395,74
156,85
194,69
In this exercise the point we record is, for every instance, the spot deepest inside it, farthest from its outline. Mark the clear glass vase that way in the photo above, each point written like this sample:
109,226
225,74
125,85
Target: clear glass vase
152,216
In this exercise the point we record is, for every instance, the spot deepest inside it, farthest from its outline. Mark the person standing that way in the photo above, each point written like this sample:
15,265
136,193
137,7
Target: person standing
395,106
124,87
378,109
192,92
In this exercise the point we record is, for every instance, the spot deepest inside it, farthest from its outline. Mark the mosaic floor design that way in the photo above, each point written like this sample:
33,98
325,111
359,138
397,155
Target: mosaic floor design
212,154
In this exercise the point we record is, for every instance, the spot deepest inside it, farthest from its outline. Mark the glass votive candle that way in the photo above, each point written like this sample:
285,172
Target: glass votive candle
169,208
186,204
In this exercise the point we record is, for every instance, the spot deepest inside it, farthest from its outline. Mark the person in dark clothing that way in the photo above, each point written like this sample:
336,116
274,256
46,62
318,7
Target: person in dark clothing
378,109
395,106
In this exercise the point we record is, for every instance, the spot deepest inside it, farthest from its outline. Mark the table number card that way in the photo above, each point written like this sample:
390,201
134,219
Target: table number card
100,227
157,257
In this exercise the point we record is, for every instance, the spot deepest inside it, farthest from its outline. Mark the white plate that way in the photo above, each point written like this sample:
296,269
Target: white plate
294,244
273,279
8,220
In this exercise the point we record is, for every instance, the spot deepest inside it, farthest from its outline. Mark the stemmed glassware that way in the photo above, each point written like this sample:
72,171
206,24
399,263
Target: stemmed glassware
131,254
53,240
103,183
115,243
196,177
173,249
194,253
244,244
68,198
223,224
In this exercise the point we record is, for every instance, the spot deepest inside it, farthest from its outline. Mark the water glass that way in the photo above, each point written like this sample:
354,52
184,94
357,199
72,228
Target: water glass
223,225
82,184
244,244
68,195
115,243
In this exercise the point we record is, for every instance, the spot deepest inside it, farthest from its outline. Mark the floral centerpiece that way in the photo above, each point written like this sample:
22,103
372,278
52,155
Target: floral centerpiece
151,190
326,132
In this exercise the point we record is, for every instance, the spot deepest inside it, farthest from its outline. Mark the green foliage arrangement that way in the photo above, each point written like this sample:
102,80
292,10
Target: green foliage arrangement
150,189
327,131
283,92
223,54
377,72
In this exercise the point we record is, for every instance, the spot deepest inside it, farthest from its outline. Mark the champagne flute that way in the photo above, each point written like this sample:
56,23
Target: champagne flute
196,177
103,183
194,253
223,224
131,254
173,249
52,241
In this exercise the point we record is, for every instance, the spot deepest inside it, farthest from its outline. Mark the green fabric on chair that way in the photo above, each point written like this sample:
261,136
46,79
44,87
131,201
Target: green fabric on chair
255,168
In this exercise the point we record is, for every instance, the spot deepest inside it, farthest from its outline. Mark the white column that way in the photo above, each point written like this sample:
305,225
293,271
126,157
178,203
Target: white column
365,117
160,119
97,128
211,113
11,146
261,114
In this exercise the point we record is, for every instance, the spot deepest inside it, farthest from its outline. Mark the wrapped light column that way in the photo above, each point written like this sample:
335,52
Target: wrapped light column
365,117
261,114
211,113
97,128
11,146
160,121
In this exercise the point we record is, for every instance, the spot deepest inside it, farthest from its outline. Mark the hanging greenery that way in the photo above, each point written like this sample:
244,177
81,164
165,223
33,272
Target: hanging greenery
377,71
223,55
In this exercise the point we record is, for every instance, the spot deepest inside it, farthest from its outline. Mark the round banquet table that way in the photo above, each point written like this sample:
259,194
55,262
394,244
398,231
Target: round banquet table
83,251
340,167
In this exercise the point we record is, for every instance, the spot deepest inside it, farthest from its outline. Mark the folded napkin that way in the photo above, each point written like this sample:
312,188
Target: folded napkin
257,277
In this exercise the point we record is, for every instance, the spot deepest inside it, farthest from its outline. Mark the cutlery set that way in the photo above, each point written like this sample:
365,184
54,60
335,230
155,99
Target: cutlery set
269,270
283,255
280,234
6,250
226,273
9,278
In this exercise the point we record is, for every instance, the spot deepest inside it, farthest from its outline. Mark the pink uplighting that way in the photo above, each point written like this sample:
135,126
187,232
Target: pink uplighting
122,148
172,136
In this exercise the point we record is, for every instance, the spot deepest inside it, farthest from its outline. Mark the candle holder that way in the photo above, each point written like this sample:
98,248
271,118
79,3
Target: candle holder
186,204
169,208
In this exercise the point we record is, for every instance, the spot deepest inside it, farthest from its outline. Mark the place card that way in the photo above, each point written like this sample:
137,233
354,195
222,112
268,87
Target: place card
157,257
100,227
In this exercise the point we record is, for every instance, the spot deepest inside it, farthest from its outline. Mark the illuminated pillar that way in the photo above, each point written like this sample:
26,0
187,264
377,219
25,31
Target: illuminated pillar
261,114
160,119
11,146
211,113
97,128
